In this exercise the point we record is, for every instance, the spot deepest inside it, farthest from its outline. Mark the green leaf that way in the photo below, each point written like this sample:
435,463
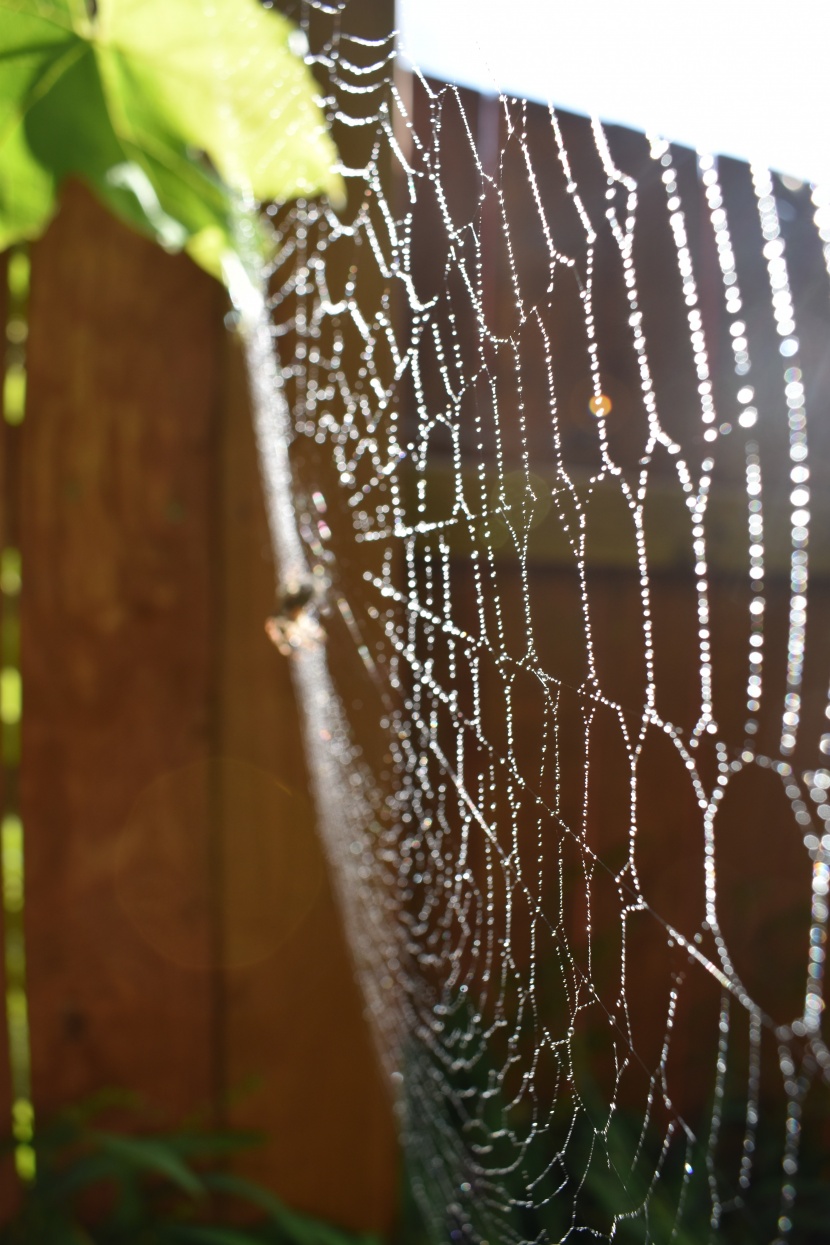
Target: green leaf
223,78
151,1155
298,1228
197,1145
245,1190
172,111
197,1234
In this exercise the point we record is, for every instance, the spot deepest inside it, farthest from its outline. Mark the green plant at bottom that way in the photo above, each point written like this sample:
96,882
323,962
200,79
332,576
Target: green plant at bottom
94,1186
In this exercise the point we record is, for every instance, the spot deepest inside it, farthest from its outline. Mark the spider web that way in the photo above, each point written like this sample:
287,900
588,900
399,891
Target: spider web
558,453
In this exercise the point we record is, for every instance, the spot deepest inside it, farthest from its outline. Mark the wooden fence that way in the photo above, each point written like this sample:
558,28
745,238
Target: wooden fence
181,938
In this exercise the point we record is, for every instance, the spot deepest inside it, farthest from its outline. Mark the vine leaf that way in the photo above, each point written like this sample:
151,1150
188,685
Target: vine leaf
172,111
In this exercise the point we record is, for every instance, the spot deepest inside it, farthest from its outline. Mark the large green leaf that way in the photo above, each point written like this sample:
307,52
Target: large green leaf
173,111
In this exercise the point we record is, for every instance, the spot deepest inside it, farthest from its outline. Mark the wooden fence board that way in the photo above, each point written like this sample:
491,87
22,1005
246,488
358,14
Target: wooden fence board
295,1032
116,659
182,938
295,1019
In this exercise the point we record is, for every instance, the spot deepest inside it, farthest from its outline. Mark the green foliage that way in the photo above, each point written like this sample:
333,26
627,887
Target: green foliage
99,1187
170,110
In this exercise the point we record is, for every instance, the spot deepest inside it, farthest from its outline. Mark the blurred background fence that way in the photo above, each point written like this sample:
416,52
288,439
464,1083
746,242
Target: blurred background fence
180,936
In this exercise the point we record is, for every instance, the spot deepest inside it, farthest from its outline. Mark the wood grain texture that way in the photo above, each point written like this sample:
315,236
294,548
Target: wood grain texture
182,938
116,656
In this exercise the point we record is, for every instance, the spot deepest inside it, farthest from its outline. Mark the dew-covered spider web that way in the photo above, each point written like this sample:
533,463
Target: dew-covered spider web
560,452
